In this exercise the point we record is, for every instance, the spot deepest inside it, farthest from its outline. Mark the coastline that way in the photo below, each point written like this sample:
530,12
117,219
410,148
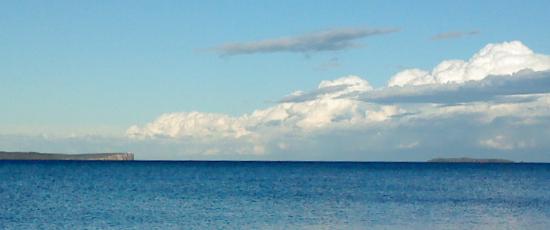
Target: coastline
59,156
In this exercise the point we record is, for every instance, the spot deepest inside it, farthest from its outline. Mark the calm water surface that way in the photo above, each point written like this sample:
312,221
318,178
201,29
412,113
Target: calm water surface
273,195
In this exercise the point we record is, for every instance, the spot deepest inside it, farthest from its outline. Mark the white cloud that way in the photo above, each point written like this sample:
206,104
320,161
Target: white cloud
255,130
333,123
332,89
494,59
323,107
193,124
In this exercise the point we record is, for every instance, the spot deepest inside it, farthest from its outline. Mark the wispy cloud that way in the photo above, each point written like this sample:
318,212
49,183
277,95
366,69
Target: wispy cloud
327,40
330,64
454,34
312,95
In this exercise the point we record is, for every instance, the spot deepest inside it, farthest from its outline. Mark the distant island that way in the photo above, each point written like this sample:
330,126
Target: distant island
469,160
75,157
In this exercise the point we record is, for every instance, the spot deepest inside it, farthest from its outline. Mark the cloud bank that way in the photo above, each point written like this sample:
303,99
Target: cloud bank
328,40
497,102
496,105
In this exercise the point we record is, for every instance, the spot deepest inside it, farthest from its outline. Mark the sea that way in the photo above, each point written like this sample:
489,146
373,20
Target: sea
272,195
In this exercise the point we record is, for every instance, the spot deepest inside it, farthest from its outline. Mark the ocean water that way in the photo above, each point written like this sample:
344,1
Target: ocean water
273,195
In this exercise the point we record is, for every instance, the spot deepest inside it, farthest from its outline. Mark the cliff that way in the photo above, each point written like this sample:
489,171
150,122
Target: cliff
469,160
56,156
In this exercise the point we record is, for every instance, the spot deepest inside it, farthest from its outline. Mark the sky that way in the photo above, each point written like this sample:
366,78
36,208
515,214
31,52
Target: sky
278,80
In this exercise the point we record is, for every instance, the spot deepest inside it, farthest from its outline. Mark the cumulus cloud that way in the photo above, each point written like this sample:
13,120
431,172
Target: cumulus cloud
454,34
347,118
318,111
193,124
497,72
331,89
494,59
333,39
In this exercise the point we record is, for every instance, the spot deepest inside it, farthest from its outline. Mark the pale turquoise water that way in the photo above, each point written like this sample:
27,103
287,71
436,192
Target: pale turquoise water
263,195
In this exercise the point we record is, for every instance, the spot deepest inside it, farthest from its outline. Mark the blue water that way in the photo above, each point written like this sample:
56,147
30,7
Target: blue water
263,195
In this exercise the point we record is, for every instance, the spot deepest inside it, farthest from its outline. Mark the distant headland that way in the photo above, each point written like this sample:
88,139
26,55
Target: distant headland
58,156
469,160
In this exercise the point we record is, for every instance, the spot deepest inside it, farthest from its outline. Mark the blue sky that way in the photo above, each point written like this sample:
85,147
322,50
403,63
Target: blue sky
80,68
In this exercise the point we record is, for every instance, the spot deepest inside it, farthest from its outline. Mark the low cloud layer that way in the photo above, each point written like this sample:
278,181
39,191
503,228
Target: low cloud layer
496,104
328,40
